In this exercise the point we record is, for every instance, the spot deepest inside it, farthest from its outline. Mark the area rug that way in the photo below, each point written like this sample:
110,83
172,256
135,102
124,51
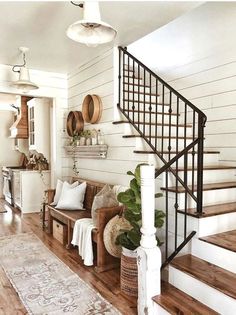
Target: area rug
44,283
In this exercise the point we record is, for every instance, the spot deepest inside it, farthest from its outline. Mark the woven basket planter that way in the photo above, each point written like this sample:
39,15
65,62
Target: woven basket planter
129,273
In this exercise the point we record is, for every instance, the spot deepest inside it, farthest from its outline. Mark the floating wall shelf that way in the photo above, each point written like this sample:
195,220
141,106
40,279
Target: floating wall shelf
88,151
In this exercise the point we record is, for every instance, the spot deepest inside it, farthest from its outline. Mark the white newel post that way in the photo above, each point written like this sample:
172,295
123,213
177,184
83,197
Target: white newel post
149,254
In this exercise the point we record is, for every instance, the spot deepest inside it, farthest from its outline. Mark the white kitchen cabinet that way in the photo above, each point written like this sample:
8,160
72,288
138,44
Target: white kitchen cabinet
28,189
39,125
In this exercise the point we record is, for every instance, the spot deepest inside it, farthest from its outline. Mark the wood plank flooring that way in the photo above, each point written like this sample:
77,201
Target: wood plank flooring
171,299
106,283
225,240
212,275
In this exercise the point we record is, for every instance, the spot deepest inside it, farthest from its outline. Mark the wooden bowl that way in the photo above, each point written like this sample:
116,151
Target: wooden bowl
75,123
92,108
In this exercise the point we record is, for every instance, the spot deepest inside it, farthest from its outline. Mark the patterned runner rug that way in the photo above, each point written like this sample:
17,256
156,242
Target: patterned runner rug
44,283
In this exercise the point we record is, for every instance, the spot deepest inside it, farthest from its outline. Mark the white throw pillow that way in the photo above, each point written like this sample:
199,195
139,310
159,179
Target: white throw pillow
59,190
72,198
104,198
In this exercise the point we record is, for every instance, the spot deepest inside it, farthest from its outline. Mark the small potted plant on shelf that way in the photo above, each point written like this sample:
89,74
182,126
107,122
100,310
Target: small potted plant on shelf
75,139
85,137
130,239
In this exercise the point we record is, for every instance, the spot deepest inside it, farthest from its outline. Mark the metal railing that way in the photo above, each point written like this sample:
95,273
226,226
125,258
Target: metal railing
174,130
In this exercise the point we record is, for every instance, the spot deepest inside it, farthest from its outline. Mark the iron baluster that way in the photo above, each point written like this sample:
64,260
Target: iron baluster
150,108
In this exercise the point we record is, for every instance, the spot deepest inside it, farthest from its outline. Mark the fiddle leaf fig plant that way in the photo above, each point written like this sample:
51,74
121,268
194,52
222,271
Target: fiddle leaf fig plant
131,199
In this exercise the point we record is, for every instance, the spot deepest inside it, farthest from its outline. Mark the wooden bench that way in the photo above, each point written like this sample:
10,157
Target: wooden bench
104,261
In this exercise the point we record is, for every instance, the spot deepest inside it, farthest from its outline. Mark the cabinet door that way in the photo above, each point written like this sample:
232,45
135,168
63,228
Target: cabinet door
39,125
31,127
17,189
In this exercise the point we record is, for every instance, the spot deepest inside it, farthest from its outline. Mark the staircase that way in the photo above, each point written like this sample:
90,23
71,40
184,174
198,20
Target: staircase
199,192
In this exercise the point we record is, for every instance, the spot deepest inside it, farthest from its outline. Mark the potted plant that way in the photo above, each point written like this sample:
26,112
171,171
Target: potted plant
130,239
84,136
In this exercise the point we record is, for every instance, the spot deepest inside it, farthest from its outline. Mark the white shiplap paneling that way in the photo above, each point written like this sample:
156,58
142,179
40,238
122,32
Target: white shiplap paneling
96,77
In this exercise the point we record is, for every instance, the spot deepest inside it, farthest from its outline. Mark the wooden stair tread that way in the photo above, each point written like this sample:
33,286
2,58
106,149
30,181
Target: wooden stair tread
225,240
212,275
209,168
154,124
206,187
173,152
176,302
158,137
148,103
209,211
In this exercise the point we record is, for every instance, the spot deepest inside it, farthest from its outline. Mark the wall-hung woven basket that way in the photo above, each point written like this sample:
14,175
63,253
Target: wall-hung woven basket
75,123
92,108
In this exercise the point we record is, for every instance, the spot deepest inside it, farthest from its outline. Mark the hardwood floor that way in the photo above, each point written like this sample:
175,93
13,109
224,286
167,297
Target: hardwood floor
106,283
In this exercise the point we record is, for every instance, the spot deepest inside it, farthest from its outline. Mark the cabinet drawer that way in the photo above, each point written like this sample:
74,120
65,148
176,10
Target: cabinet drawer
60,232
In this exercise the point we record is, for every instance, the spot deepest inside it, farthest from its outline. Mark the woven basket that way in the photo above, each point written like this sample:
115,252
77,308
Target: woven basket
129,275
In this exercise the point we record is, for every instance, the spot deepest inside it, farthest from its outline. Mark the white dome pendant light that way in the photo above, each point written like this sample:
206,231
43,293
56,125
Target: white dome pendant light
24,82
91,30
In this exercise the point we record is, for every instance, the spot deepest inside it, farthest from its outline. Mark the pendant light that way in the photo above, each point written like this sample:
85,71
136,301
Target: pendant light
24,82
91,30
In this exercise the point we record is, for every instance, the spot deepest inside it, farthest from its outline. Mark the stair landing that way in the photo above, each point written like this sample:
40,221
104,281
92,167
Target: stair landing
226,240
177,302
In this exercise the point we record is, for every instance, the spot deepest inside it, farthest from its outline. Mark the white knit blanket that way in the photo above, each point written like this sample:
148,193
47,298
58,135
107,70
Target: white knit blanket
82,237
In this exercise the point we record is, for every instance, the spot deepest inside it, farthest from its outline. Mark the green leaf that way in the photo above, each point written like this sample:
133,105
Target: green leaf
124,241
130,173
159,218
126,196
134,236
158,195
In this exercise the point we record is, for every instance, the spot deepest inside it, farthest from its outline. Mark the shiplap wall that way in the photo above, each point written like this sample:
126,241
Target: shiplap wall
97,77
196,55
53,85
210,84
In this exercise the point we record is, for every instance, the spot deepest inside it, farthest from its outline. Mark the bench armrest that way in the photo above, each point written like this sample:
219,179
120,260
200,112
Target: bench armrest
50,195
104,215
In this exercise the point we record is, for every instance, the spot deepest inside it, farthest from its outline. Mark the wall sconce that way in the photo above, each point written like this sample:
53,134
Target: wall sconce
91,30
24,82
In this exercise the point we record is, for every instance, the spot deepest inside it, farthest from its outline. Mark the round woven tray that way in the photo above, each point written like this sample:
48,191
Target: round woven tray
75,123
92,108
129,275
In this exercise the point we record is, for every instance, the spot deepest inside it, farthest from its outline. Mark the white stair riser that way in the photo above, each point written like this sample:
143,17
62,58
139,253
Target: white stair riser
145,107
209,176
146,116
159,130
166,143
130,87
210,197
209,159
141,97
214,254
213,298
166,130
159,310
203,226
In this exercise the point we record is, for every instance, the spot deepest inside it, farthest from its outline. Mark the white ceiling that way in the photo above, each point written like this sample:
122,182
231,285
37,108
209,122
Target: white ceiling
41,26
